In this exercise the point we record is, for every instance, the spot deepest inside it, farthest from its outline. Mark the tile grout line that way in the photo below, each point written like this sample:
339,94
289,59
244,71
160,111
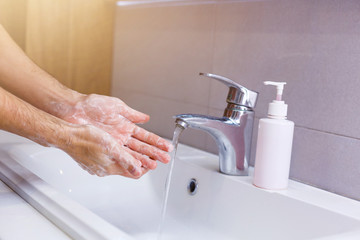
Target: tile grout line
214,29
321,131
327,132
212,54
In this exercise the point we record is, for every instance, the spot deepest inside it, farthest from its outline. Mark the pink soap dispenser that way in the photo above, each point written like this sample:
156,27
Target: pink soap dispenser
274,144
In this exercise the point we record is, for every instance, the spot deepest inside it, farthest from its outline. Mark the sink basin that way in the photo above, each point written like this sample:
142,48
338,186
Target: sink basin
219,207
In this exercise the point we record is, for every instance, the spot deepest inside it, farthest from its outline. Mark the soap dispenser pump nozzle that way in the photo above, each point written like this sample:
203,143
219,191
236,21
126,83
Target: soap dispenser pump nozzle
279,88
277,108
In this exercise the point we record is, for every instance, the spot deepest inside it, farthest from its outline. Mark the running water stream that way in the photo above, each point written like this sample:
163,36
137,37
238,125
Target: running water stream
175,141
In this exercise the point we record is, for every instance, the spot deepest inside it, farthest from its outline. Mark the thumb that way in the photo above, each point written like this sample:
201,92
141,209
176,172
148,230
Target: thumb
134,115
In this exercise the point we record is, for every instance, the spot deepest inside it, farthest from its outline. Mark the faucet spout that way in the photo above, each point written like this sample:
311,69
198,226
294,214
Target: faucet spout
232,132
232,139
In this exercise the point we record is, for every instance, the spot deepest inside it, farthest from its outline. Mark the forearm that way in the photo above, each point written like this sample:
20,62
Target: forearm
22,77
25,120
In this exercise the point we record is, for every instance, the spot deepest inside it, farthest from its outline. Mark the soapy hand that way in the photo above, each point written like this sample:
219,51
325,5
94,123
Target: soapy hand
99,153
133,145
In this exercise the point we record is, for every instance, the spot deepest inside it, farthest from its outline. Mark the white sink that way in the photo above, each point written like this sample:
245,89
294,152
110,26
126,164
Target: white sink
223,207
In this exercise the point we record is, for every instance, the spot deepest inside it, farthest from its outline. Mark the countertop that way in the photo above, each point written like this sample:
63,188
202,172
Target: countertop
19,220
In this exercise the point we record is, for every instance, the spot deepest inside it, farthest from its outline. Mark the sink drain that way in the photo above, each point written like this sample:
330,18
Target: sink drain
192,186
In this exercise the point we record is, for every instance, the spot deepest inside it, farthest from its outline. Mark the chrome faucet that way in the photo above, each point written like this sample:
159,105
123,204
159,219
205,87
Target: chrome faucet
233,131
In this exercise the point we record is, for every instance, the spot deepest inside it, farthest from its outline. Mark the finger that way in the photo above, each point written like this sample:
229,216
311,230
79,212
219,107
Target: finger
116,169
145,160
146,149
128,162
143,171
134,115
152,139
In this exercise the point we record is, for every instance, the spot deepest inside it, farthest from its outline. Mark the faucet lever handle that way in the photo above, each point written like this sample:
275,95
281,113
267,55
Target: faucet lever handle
238,94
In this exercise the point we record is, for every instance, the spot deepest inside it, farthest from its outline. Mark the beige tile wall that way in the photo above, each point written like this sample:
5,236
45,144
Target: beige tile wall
13,19
70,39
313,45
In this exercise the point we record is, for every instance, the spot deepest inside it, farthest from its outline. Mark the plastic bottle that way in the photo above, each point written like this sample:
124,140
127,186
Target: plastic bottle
274,145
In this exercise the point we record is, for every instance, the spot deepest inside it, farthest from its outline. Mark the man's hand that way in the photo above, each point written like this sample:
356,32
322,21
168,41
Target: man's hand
100,154
117,119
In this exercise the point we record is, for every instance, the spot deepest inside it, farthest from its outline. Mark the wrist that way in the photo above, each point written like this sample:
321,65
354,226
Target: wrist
62,103
65,135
